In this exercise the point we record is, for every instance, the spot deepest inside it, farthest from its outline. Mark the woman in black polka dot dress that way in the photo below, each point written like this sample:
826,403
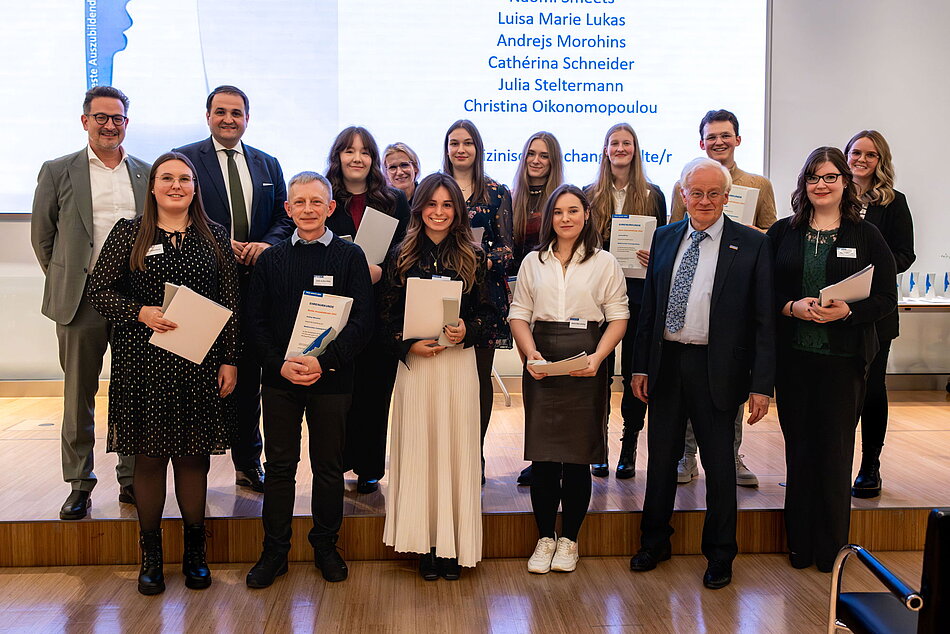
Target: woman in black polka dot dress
161,406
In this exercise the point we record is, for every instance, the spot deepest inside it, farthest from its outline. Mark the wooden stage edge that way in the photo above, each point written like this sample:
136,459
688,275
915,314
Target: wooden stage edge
610,533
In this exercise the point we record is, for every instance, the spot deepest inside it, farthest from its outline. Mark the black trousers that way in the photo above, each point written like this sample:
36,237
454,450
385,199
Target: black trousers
682,393
818,398
484,358
632,409
368,420
874,410
326,420
247,447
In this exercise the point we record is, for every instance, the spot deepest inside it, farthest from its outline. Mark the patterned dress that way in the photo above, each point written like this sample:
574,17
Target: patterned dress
161,404
495,217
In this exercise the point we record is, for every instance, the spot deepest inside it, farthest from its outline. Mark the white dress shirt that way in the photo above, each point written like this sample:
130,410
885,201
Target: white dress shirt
696,327
594,290
112,199
247,185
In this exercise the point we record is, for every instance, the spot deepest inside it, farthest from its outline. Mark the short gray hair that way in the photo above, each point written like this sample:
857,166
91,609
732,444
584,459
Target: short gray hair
701,162
310,177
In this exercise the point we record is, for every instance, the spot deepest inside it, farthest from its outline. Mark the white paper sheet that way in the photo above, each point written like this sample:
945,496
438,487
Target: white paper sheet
851,289
375,234
424,307
562,367
629,234
320,316
741,204
200,321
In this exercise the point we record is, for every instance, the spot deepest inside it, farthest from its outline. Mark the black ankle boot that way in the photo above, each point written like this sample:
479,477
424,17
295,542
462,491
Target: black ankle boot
194,563
627,465
151,577
868,482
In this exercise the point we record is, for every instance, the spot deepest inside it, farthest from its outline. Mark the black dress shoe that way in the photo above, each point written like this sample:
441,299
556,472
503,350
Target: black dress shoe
601,470
524,478
127,495
366,486
626,467
331,564
718,574
76,506
427,567
646,560
252,479
270,566
800,560
449,569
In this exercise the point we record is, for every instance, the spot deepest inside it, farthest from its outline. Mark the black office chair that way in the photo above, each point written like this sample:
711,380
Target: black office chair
901,609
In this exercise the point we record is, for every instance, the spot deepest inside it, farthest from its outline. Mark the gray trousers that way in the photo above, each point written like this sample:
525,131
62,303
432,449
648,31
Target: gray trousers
82,344
690,447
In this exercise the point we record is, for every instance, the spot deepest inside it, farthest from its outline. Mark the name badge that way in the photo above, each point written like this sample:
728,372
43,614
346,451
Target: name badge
847,253
580,324
323,280
155,249
442,277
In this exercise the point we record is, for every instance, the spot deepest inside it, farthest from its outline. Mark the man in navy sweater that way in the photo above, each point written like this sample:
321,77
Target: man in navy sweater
312,259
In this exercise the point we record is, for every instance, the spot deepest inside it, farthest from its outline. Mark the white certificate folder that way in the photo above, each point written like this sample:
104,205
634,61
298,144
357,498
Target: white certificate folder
200,321
741,204
320,318
425,314
850,289
375,234
629,234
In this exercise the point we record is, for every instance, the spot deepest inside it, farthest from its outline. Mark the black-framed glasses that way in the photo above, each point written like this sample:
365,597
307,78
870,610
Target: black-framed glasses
101,118
399,166
811,179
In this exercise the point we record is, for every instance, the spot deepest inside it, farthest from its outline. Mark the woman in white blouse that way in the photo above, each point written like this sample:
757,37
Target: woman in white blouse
566,289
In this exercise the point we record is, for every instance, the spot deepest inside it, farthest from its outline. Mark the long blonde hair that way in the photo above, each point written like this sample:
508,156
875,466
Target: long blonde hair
459,253
521,191
637,201
881,191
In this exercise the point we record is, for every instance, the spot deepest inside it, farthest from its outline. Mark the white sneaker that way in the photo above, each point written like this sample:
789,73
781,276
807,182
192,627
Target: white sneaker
540,561
565,559
686,469
744,477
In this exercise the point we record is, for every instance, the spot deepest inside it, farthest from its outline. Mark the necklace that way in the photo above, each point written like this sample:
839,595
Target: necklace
827,227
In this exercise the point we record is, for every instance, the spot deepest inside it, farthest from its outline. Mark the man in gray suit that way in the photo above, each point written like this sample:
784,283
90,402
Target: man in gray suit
79,197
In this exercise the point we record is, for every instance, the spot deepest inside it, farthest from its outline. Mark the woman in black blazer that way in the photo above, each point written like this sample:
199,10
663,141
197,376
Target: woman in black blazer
358,182
869,158
823,352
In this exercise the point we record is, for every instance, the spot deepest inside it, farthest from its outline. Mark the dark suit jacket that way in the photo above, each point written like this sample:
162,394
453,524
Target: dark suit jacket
269,220
741,314
855,335
897,227
61,227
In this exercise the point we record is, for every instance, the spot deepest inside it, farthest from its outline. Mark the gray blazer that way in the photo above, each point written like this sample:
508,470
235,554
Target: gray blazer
61,227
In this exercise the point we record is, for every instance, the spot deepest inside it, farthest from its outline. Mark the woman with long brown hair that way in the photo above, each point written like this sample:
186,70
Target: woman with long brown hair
540,171
869,157
488,204
824,351
353,169
622,187
433,505
161,406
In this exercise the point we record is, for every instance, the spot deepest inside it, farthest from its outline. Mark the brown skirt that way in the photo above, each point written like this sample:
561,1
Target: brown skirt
565,416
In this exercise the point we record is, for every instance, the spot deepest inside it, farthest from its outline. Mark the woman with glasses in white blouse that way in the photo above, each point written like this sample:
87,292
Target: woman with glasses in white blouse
567,288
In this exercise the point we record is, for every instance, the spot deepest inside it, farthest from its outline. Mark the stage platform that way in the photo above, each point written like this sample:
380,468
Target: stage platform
916,471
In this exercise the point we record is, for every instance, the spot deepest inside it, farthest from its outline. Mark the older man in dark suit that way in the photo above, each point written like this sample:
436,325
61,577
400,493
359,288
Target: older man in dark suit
242,189
79,197
705,344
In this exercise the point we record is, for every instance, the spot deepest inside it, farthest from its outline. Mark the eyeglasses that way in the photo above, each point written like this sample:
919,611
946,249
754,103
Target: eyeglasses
392,169
300,205
698,196
811,179
870,156
725,136
181,180
102,118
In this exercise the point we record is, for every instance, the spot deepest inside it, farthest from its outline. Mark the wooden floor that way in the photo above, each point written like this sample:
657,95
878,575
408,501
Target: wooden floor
767,596
915,466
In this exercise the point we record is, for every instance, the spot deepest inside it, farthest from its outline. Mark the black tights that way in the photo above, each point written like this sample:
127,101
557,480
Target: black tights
564,484
191,488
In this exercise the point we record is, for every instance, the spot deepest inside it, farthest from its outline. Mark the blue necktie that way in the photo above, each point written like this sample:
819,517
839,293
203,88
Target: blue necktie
679,292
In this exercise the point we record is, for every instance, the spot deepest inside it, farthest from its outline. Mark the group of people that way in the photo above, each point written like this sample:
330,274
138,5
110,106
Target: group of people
726,314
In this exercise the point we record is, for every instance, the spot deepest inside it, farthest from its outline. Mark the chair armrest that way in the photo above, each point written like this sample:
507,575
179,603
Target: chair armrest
909,597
